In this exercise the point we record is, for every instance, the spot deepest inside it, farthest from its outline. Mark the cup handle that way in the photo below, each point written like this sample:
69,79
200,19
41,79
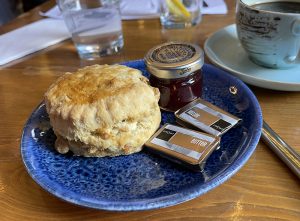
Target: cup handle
296,33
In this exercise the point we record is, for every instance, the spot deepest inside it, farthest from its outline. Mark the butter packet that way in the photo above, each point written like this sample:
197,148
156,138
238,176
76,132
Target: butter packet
184,146
203,115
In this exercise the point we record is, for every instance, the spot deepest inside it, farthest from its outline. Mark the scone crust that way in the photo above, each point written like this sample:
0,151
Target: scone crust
102,110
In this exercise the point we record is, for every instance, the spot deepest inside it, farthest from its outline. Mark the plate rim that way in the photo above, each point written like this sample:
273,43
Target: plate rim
247,78
158,202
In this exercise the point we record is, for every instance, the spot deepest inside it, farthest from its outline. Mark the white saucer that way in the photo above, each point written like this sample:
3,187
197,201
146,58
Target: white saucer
224,50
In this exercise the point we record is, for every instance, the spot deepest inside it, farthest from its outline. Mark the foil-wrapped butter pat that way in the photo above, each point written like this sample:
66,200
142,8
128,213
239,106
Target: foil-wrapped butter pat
205,116
184,146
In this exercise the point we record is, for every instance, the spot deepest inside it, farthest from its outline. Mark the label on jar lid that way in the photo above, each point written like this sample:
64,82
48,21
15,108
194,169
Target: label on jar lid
173,60
183,145
206,117
173,53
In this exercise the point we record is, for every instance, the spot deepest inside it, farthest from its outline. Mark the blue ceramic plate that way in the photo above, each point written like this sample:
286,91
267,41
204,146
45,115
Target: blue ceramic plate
144,181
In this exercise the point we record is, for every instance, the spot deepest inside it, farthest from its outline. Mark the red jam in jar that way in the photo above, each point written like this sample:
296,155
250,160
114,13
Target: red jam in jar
175,69
176,93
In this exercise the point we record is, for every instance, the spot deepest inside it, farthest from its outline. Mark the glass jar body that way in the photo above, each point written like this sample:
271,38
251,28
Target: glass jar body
176,93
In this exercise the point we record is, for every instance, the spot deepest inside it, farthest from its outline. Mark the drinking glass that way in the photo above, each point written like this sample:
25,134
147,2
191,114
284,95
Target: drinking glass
95,26
180,13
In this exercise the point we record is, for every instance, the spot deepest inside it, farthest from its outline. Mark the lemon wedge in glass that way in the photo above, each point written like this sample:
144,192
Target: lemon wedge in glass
177,8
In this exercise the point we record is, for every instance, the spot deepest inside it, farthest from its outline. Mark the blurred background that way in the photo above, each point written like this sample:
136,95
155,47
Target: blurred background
9,9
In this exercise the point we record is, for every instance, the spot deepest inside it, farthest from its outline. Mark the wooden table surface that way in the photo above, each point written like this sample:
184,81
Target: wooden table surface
264,189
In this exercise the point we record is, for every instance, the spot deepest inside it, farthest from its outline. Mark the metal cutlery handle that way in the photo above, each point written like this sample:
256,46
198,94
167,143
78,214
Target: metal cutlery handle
285,152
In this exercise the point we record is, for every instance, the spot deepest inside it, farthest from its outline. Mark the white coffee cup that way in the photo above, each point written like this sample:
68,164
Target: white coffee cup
269,31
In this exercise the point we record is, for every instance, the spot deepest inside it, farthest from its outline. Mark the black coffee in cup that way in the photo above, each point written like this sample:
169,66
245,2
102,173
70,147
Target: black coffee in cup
280,6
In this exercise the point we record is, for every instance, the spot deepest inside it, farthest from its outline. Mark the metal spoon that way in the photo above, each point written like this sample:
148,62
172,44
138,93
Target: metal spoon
285,152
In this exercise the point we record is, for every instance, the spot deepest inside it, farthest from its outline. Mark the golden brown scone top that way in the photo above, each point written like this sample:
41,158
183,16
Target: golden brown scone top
96,82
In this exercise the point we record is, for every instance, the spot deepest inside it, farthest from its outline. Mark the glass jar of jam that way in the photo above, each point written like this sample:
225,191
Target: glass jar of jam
175,69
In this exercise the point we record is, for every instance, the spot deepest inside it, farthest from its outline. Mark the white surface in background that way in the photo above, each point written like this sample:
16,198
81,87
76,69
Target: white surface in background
146,9
31,38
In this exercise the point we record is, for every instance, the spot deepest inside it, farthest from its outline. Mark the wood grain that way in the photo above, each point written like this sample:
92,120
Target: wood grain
264,189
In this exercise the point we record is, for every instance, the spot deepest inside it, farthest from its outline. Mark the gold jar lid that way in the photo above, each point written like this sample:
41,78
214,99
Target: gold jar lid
174,60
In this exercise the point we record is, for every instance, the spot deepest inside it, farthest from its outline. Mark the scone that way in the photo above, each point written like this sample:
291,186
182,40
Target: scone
102,110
